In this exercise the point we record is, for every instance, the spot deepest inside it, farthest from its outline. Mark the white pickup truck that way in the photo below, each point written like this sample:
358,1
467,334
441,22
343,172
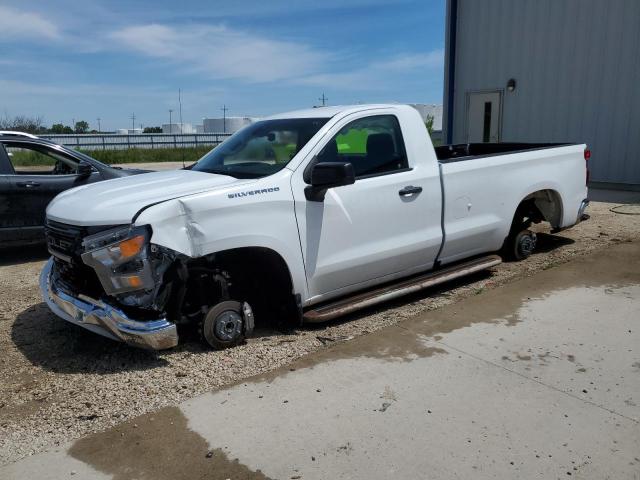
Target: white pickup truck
300,217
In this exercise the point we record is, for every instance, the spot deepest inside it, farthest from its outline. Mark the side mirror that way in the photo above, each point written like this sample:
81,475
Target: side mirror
328,175
84,169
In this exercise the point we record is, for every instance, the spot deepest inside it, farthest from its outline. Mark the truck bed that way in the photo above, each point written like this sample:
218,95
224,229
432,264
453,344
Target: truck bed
469,151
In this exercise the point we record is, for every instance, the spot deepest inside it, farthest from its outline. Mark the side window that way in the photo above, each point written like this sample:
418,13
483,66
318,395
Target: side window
31,160
373,145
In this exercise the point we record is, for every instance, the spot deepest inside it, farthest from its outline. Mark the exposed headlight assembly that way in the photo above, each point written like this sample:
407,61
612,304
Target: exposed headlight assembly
120,258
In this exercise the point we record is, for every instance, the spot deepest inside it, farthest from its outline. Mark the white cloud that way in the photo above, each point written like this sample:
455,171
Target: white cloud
432,59
221,52
16,24
380,74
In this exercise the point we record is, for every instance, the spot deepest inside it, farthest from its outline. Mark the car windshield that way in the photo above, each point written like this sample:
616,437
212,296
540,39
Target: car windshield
260,149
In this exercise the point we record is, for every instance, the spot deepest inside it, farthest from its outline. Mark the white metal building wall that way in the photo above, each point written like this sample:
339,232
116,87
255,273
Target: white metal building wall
577,68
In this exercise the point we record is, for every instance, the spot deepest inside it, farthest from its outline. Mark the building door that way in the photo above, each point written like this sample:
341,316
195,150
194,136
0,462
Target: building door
483,117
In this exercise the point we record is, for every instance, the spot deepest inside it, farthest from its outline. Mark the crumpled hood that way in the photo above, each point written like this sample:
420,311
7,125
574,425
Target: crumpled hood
114,202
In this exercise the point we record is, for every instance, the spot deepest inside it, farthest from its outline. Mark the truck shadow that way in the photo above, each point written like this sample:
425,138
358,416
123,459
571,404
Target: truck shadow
547,242
24,254
58,346
55,345
432,293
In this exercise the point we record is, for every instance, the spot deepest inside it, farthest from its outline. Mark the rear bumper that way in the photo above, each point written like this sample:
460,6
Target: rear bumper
581,211
105,319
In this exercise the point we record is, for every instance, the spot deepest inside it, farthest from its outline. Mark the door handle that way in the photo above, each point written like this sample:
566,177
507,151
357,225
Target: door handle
29,184
409,190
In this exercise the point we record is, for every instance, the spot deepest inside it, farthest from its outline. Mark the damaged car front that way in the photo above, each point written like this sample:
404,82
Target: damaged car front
110,282
138,258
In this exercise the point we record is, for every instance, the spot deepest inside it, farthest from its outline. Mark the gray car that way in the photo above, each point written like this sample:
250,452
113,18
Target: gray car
25,192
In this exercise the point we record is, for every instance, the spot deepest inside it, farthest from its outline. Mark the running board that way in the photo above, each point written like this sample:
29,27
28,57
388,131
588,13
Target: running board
404,287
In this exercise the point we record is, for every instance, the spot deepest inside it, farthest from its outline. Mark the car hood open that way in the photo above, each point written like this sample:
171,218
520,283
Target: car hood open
115,202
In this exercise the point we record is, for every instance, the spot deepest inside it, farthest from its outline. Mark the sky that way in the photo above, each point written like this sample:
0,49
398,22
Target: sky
66,60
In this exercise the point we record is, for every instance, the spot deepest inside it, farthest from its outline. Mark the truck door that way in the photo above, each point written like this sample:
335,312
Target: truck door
385,225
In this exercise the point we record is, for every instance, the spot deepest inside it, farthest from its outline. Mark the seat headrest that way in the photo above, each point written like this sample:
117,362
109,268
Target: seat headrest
380,145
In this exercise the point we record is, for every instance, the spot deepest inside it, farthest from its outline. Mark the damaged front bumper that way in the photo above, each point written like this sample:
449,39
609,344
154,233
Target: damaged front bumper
104,319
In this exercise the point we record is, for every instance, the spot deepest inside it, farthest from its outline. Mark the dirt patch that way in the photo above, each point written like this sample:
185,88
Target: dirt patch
158,446
61,382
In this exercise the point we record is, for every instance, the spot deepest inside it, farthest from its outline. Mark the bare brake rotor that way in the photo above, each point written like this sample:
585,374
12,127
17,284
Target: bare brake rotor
228,325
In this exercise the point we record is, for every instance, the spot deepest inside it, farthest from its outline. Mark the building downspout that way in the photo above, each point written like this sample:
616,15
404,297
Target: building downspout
450,74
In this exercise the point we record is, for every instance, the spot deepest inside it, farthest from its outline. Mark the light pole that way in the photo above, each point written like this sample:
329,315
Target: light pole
224,118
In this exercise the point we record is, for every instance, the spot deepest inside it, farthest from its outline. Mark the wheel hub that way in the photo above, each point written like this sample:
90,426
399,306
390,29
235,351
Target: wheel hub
228,325
527,244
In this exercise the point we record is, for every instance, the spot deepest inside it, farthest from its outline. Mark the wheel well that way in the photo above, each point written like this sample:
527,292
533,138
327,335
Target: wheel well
256,275
543,205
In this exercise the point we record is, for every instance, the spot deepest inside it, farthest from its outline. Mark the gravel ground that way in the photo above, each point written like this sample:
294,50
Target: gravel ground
61,382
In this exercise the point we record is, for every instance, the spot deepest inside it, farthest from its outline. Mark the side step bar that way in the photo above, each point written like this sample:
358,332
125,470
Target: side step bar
404,287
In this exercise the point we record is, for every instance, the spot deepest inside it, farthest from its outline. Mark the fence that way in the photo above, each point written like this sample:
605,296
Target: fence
154,140
145,140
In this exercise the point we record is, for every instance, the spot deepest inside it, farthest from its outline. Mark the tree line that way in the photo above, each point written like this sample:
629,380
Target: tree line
35,126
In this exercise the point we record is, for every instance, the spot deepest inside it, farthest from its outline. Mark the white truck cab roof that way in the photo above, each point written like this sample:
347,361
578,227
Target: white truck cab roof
328,112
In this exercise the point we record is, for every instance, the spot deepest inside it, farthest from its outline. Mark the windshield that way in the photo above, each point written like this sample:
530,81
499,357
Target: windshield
260,149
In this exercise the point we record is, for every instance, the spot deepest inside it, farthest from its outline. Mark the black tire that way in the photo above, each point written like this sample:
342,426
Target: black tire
223,325
519,246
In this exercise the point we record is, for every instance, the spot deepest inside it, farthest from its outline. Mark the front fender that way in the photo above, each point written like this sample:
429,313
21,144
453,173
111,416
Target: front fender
211,222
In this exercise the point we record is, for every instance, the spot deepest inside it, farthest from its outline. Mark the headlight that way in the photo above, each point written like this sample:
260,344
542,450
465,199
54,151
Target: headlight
120,259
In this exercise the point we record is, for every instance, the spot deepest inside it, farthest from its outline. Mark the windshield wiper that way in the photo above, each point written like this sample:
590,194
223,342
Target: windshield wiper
217,171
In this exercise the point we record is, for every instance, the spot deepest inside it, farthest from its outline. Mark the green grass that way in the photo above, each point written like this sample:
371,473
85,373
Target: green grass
133,155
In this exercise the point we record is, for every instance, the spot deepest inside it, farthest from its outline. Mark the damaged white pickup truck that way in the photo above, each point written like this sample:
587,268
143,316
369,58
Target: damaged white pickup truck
298,218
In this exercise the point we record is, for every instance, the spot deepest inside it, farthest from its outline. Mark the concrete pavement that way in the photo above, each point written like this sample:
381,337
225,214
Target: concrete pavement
538,379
